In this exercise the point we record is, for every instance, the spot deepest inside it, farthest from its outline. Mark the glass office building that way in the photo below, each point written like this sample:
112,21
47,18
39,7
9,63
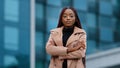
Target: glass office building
14,33
100,19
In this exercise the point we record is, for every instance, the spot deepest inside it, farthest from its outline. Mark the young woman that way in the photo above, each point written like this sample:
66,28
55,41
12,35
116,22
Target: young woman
67,42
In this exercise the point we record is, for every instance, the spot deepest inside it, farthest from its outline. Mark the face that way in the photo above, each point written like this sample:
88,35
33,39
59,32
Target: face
68,18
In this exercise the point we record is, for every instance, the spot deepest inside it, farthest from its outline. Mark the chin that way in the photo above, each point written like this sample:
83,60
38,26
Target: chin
69,25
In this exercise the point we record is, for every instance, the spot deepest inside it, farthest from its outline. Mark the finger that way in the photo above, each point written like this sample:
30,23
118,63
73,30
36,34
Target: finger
83,47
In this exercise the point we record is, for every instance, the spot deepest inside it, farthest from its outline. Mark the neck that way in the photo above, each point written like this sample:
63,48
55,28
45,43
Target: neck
68,27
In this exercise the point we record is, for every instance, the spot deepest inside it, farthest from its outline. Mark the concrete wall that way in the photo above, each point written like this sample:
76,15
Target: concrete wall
104,59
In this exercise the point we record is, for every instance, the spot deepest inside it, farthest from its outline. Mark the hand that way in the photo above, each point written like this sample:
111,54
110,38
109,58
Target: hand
80,44
75,46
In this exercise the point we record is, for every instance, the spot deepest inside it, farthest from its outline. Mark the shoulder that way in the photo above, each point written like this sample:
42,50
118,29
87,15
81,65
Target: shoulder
55,30
80,30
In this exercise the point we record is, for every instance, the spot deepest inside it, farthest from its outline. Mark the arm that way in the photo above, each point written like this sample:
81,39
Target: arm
78,53
54,50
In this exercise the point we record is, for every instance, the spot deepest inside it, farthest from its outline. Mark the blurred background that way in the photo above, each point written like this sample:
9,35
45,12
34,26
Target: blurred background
99,18
14,33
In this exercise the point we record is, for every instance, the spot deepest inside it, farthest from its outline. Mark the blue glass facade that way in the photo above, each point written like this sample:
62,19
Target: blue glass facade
100,19
14,34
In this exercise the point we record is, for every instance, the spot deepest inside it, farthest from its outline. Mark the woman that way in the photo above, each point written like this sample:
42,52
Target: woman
67,42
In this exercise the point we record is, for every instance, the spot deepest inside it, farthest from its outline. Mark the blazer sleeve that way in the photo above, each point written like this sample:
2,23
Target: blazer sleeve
54,50
78,53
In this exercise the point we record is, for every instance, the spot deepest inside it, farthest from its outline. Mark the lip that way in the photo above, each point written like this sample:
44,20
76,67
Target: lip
68,22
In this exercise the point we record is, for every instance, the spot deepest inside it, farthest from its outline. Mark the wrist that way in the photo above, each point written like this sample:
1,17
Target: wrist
67,51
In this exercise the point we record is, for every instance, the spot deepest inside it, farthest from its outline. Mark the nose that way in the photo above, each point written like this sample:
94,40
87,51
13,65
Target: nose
68,17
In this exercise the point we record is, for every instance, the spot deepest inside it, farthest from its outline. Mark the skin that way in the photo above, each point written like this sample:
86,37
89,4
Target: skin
68,19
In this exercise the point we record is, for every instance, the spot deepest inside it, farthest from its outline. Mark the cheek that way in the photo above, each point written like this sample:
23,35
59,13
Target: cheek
73,21
63,20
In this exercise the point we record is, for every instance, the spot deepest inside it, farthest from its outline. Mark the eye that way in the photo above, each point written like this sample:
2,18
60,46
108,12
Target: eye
64,16
71,16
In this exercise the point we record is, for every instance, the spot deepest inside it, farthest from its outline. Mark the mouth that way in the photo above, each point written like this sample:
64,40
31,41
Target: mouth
68,22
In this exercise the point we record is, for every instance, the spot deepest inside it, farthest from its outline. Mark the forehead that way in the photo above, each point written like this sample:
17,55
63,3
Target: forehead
68,11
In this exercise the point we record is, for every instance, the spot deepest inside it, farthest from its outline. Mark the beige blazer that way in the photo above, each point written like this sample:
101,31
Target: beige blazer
58,52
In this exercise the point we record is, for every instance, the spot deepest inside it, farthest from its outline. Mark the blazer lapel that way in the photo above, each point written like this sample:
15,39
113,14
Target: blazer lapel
73,37
58,37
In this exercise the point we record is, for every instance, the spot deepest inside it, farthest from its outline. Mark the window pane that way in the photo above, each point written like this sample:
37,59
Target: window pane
106,46
114,23
105,8
48,57
51,23
91,20
114,2
91,48
39,64
11,10
39,39
39,45
92,33
84,26
80,4
118,25
39,11
92,7
82,17
53,12
66,2
92,0
54,2
106,35
106,22
116,11
40,25
10,61
11,38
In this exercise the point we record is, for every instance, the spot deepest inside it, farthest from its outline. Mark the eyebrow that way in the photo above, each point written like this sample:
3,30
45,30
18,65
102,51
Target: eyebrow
70,13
